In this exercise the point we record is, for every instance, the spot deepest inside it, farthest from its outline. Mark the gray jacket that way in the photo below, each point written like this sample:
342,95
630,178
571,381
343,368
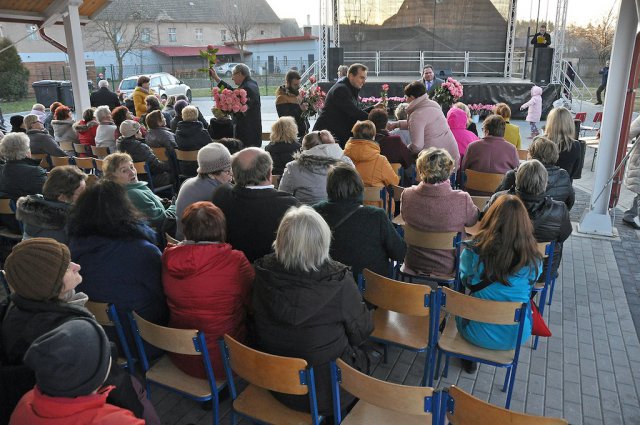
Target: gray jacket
63,131
106,136
40,141
632,176
306,176
161,137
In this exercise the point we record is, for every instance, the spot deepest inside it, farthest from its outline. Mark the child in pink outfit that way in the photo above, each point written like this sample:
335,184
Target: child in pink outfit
535,110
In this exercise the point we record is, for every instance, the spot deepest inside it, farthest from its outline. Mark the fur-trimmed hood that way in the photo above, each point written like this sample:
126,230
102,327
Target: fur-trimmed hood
82,126
321,156
35,210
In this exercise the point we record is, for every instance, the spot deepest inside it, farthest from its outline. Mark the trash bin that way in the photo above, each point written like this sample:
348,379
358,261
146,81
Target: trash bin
66,94
47,91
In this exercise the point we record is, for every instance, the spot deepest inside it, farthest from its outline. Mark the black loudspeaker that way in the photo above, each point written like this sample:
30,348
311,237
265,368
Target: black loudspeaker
542,64
335,59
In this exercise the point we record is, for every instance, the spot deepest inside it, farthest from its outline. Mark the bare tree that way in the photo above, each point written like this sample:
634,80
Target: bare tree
122,31
598,35
238,17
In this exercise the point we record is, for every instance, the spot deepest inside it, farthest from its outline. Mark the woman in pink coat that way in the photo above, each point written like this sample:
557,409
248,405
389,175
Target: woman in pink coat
427,124
535,110
457,120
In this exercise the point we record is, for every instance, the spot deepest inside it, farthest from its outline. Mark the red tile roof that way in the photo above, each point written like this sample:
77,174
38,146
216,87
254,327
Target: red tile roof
186,51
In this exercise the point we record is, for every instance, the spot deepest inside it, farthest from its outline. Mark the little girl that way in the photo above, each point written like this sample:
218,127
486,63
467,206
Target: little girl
535,110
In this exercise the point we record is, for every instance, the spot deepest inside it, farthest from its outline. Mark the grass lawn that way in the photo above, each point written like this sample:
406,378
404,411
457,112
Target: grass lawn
18,105
206,92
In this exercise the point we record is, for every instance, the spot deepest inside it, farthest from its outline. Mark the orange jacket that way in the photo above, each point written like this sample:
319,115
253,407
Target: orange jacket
374,168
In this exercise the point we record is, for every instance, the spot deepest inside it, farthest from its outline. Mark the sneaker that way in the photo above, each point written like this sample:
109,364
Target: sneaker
469,366
598,103
631,223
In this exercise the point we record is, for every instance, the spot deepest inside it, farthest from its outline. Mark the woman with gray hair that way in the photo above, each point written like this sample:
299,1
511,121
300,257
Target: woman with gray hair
307,305
434,206
106,134
559,185
19,174
401,114
550,218
306,176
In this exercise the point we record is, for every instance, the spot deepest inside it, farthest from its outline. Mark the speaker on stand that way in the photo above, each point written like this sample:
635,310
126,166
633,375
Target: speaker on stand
335,59
542,65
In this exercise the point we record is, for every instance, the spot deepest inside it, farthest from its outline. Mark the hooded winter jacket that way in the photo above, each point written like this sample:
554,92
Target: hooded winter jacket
559,187
207,285
534,104
318,316
374,168
40,141
86,132
43,218
63,131
306,176
457,120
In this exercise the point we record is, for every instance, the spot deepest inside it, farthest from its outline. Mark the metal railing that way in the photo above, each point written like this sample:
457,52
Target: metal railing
576,88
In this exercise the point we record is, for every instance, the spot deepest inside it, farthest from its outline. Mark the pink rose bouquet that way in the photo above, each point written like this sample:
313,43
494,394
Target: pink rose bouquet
314,99
229,102
448,93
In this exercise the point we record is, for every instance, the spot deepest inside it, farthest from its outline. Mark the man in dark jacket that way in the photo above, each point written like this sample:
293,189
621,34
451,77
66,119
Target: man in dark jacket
542,38
550,218
288,103
249,124
253,208
603,83
341,110
104,96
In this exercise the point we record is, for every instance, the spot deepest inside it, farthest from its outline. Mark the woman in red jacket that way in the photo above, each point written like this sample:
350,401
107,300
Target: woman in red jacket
207,284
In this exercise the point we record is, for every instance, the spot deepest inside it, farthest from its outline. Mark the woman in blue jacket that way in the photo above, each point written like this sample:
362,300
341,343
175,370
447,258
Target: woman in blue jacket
503,257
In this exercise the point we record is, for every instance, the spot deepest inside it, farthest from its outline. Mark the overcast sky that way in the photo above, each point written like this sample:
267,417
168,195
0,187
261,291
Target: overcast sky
580,11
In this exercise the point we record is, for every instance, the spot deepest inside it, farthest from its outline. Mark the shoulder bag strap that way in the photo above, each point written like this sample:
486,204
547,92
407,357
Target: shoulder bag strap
346,217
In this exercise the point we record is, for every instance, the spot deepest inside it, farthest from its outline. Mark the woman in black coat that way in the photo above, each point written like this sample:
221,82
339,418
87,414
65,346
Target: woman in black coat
307,305
284,143
190,136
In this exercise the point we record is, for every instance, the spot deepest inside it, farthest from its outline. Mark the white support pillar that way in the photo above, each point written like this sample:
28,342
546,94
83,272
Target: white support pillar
596,219
75,50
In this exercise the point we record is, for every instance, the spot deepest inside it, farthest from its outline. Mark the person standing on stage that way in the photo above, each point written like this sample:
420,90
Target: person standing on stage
429,79
542,38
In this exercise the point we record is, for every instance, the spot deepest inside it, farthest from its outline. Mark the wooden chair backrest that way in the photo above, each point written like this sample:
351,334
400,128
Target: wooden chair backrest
542,248
372,194
99,310
99,164
486,311
483,182
57,161
397,192
168,339
480,201
582,116
522,154
6,207
428,240
266,137
99,151
469,410
44,163
396,167
160,153
186,155
171,239
80,148
139,166
84,163
67,146
274,373
400,398
275,180
92,179
393,295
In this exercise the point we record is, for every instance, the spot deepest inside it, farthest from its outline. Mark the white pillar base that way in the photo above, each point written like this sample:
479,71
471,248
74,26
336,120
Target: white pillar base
593,223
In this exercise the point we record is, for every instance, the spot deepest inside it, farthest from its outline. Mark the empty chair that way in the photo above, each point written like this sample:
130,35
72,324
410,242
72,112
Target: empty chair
461,408
265,373
382,402
403,316
164,374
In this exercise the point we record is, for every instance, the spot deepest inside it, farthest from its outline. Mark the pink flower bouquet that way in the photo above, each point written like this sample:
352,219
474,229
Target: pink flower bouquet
314,99
448,93
229,102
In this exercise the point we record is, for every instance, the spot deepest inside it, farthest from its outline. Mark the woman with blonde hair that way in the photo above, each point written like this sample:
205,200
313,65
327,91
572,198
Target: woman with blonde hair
562,131
501,263
284,143
434,206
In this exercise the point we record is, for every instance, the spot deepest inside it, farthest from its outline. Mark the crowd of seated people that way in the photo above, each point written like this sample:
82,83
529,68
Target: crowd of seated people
274,267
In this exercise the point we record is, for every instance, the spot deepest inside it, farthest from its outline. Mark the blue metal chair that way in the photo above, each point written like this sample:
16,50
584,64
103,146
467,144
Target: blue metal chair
461,408
543,287
265,373
403,317
452,344
381,402
164,373
393,205
106,316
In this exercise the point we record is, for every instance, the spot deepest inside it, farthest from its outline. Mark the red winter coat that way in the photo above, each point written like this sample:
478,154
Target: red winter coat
207,287
36,408
86,132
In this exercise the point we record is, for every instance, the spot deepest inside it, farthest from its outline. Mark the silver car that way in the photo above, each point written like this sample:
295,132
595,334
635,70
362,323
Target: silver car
162,83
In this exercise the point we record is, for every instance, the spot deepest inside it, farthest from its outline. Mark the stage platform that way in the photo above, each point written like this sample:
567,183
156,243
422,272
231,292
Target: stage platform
488,90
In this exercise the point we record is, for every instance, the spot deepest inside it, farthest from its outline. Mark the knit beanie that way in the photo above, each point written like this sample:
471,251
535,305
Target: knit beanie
179,106
213,157
129,128
35,268
71,360
29,120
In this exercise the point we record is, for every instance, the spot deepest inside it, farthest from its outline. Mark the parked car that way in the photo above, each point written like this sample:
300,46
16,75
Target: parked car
226,68
162,83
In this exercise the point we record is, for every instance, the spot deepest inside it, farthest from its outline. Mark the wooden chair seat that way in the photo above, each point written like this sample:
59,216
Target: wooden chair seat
258,403
58,161
367,414
452,341
401,329
164,372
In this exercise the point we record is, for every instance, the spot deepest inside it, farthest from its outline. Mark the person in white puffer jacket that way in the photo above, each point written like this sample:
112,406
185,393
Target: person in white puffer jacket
632,178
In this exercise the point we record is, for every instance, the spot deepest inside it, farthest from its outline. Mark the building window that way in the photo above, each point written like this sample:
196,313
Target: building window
223,35
261,32
199,34
172,35
32,30
145,35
